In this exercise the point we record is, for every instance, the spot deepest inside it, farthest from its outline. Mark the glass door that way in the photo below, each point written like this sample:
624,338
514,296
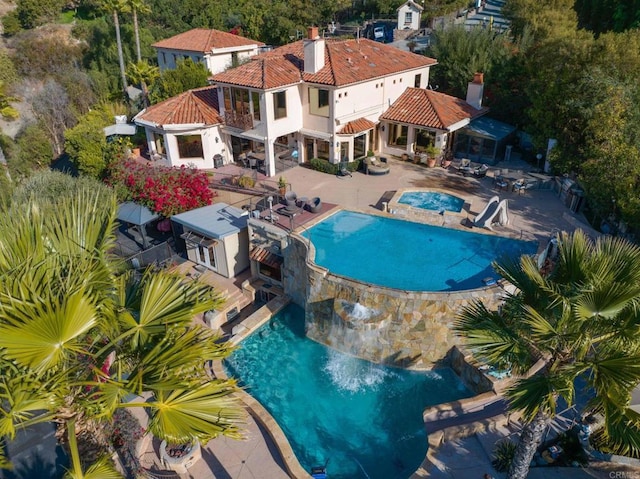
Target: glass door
206,256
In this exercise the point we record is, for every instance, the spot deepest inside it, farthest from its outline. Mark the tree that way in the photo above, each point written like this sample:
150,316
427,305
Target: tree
77,337
32,13
115,7
86,144
579,320
143,74
51,108
186,76
137,6
34,152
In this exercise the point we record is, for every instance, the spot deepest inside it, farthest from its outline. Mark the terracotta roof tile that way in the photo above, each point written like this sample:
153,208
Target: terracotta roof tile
203,40
346,62
357,126
199,106
431,109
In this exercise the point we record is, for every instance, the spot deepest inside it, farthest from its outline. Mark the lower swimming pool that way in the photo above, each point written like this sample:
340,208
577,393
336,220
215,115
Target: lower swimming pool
406,255
360,419
432,200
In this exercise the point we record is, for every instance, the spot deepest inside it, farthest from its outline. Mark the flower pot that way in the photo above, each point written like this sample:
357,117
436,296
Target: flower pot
431,162
135,152
405,157
446,163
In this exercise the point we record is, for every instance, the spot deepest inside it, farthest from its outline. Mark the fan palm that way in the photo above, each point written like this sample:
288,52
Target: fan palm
77,335
143,74
580,320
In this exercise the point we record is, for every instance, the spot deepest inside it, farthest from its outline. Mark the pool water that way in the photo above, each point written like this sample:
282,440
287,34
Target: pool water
432,200
360,419
406,255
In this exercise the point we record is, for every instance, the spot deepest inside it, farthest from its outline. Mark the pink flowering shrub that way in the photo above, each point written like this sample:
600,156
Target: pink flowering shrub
166,191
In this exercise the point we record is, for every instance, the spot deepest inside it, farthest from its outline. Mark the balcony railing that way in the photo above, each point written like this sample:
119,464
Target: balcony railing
244,121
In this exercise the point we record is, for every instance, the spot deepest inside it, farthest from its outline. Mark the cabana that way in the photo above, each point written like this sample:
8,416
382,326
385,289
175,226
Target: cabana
134,214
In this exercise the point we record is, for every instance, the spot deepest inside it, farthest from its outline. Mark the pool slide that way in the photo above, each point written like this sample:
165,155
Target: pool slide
494,212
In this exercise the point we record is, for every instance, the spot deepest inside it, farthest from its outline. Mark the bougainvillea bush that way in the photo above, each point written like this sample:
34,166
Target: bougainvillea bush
166,191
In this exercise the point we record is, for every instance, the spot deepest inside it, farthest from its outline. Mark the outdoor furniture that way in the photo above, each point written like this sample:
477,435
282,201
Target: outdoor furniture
481,171
291,199
373,166
315,205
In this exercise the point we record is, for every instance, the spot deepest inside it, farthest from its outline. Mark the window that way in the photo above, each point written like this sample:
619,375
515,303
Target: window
424,139
280,105
359,146
164,58
398,135
417,81
190,146
408,17
319,102
255,98
323,149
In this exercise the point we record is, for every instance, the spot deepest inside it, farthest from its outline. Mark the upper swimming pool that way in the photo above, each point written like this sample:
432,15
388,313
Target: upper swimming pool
432,200
409,256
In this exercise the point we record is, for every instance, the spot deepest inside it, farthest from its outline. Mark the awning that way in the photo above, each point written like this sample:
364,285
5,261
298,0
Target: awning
315,134
266,257
196,239
490,128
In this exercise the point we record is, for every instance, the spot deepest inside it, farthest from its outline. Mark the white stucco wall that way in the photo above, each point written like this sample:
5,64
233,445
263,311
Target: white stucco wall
415,17
217,61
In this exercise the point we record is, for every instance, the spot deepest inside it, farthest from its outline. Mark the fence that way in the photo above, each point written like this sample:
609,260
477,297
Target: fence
158,255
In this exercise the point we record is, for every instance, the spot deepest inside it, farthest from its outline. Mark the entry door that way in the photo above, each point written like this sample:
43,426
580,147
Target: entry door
206,256
308,150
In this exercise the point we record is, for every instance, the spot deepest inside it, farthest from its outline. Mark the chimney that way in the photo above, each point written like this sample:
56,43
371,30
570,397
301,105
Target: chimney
475,91
313,51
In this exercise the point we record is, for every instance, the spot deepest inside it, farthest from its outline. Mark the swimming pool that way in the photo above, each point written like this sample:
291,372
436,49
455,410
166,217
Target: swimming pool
432,200
409,256
360,419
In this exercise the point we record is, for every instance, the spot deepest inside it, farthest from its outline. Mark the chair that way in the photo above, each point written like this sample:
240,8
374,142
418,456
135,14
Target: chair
522,185
315,205
500,182
291,199
481,171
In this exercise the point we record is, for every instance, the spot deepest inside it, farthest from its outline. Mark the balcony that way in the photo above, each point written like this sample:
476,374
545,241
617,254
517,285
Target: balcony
243,121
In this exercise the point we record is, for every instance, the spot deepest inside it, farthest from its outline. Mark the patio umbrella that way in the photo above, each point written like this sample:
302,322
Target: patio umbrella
137,215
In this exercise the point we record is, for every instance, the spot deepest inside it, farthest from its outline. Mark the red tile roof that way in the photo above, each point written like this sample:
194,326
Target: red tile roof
204,41
432,109
199,106
357,126
346,62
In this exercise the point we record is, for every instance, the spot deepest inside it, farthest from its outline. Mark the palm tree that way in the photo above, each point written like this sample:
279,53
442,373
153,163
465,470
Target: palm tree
580,319
77,335
115,7
138,6
143,74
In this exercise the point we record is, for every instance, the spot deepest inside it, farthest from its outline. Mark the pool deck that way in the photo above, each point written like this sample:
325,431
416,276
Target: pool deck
535,215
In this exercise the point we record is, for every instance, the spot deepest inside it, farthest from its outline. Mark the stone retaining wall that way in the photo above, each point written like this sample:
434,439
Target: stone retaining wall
383,325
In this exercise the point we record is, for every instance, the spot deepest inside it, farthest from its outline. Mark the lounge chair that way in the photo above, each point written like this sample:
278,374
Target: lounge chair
375,167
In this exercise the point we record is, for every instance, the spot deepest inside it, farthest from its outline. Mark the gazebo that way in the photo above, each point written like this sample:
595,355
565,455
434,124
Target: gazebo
137,215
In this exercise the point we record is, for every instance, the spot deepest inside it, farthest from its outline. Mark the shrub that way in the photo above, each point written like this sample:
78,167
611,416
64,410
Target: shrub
503,455
324,166
166,191
246,182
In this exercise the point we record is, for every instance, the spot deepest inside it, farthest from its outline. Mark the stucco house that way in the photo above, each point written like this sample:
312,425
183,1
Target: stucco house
215,237
216,49
328,99
409,15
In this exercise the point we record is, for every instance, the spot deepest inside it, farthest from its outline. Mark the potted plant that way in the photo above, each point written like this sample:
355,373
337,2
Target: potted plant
282,185
432,154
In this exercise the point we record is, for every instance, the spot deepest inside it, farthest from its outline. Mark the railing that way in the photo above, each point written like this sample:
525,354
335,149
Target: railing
244,121
159,255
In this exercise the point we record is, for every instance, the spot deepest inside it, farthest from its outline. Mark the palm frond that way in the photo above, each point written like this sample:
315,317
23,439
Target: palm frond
22,405
102,469
204,412
41,336
539,393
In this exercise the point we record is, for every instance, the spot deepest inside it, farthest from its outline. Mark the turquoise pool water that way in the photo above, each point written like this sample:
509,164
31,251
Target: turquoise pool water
410,256
361,419
432,200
